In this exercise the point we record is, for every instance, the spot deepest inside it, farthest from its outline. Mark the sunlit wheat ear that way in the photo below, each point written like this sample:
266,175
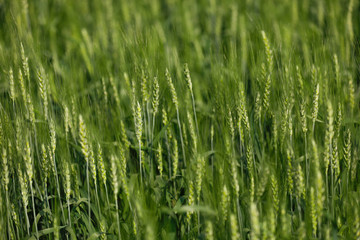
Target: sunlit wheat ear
52,136
101,165
338,121
209,231
124,137
67,120
190,87
269,53
184,133
224,204
254,219
192,133
313,214
133,99
200,170
138,122
123,172
28,162
155,103
51,159
175,101
289,172
245,117
315,106
92,165
258,107
25,63
172,89
329,134
187,77
11,157
103,235
156,96
191,200
299,182
24,194
83,138
266,99
43,88
102,170
250,167
12,85
68,188
138,133
115,183
5,170
5,179
30,174
160,159
351,93
235,235
275,192
22,86
284,120
19,138
303,116
175,157
15,216
347,150
85,149
335,158
165,121
44,164
31,112
230,123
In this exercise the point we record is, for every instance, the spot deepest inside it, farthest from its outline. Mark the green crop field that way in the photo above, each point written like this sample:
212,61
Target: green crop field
179,119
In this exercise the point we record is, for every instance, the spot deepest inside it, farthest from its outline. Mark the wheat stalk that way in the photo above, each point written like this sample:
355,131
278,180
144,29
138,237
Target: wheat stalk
115,183
189,84
175,102
85,149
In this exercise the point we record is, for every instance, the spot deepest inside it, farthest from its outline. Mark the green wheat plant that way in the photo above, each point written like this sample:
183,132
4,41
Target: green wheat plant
179,119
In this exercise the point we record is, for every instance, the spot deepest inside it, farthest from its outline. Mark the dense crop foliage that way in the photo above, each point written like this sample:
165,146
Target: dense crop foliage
179,119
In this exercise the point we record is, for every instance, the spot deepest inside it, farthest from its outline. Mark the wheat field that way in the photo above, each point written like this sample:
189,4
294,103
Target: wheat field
169,119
